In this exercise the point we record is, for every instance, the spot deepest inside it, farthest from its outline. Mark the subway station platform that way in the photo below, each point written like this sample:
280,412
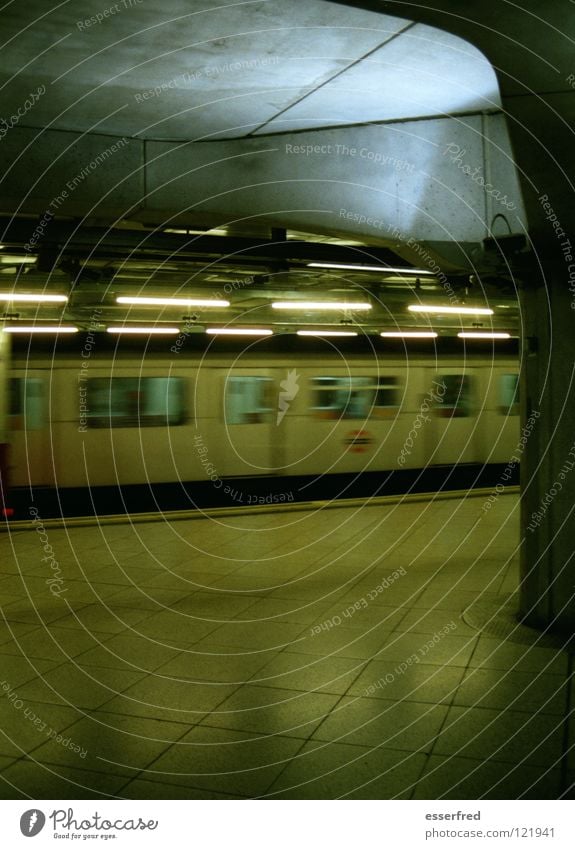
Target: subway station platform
362,651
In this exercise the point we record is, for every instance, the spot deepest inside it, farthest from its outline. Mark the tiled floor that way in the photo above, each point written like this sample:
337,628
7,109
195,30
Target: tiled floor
307,654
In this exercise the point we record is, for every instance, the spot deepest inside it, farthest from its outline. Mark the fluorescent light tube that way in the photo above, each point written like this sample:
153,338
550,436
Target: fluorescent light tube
326,333
172,302
470,335
319,305
409,334
15,297
433,308
144,330
385,269
238,331
40,329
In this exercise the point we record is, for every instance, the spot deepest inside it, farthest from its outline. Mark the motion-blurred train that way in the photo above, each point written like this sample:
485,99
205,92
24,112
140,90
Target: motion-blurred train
82,422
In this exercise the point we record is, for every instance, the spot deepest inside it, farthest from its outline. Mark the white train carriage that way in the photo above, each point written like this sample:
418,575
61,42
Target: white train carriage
127,420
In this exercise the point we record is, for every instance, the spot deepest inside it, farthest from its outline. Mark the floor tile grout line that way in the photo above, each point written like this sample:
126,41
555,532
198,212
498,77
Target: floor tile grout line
145,769
442,726
422,772
194,725
323,720
269,788
466,670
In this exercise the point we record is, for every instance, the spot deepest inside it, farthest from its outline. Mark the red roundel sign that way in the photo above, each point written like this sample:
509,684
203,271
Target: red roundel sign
358,441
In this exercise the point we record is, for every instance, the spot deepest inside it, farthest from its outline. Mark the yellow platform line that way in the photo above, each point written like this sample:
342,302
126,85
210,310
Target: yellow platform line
221,512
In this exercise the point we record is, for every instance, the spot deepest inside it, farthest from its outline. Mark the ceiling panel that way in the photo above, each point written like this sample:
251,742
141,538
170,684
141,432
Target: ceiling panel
422,72
179,71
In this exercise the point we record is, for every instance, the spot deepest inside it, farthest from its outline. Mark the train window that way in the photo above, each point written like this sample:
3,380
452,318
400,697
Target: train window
247,400
386,396
135,402
352,397
509,395
452,395
26,403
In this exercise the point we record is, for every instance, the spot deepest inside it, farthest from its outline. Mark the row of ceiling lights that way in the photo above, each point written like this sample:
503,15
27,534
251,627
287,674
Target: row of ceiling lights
247,331
352,306
346,306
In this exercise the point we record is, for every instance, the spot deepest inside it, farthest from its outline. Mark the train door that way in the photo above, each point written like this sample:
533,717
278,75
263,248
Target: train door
30,453
500,428
249,443
346,422
453,401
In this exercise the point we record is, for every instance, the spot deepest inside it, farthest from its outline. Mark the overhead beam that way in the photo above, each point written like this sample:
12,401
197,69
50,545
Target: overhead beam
387,184
72,238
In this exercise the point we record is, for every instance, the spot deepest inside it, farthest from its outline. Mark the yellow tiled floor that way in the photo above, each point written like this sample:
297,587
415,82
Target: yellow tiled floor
304,654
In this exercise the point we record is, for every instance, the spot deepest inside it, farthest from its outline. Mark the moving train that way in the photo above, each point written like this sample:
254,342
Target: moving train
216,419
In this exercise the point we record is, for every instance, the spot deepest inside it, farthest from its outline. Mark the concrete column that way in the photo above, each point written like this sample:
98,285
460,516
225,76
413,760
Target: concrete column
4,420
548,460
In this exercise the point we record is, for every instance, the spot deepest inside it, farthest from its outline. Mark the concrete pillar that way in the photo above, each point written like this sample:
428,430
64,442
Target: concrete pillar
4,421
547,596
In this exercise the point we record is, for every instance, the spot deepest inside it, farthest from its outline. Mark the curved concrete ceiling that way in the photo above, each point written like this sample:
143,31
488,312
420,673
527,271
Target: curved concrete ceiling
315,117
181,71
530,47
177,115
